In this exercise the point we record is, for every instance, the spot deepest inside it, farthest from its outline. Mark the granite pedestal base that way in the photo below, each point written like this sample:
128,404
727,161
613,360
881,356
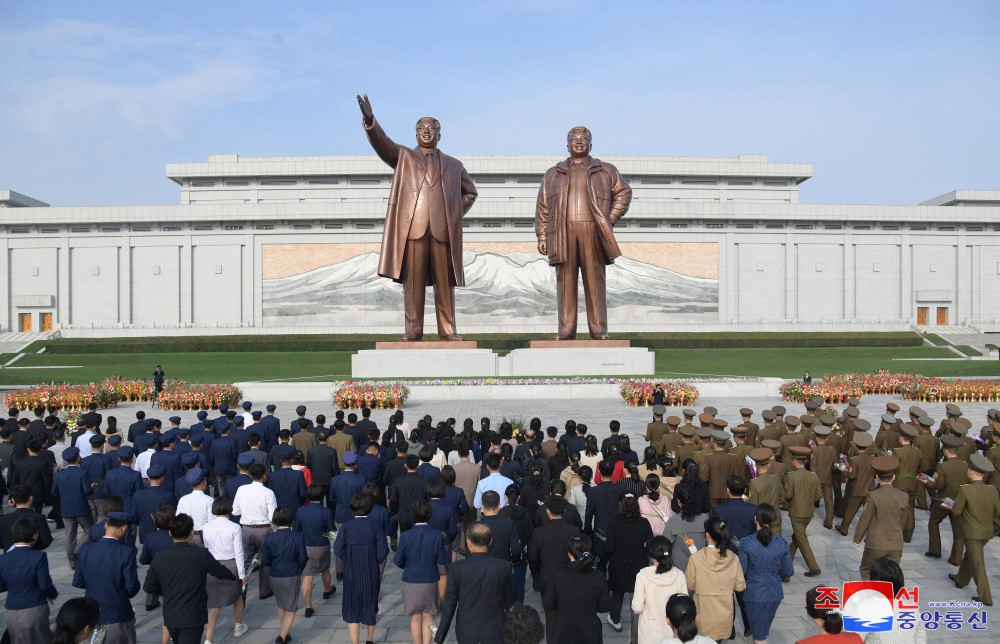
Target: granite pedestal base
571,361
424,363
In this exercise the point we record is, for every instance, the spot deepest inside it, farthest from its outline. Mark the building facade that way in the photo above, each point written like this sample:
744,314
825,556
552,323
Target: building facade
290,245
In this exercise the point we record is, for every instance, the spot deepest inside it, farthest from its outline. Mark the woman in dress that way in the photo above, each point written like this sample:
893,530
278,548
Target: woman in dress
714,574
829,621
362,546
285,553
421,555
314,522
685,529
628,536
682,614
654,505
654,585
576,595
224,540
765,560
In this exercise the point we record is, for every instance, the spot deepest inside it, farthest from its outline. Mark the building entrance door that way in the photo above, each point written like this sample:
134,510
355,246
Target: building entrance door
942,316
922,315
46,321
24,322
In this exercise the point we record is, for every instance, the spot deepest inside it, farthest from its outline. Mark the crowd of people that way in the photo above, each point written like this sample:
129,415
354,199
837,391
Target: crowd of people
689,528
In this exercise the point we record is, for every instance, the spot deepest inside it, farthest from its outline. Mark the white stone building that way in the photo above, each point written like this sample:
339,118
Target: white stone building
289,244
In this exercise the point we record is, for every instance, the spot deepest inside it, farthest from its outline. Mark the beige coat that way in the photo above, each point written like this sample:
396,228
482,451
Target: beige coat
712,580
649,599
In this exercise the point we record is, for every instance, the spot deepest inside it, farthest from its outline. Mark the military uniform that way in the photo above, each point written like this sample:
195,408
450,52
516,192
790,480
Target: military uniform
930,454
861,476
948,477
978,504
656,429
716,468
670,440
767,488
822,461
741,451
802,491
906,478
881,524
752,428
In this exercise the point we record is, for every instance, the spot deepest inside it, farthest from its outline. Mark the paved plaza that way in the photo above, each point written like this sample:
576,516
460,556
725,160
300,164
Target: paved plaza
837,556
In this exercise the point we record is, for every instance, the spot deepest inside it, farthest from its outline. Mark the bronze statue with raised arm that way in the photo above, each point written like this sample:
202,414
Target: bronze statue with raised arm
422,237
579,202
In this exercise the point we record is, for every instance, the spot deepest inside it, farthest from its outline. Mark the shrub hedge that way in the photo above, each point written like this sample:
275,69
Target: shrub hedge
497,342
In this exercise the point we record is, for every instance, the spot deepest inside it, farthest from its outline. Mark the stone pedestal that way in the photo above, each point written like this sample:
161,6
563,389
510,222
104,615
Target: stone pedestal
429,344
579,344
423,362
584,361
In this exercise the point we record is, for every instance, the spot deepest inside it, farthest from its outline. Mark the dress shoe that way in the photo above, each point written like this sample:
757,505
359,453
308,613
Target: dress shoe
746,632
828,527
454,337
842,533
340,576
812,573
932,555
954,578
976,598
600,336
411,337
152,606
785,580
327,594
310,612
267,596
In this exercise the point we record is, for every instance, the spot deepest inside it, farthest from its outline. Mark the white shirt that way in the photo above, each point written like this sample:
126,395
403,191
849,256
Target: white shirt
198,506
57,451
438,460
247,418
224,540
254,504
142,462
83,444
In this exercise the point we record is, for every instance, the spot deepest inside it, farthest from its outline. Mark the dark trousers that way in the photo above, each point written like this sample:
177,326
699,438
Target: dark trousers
617,599
939,514
191,635
743,610
423,258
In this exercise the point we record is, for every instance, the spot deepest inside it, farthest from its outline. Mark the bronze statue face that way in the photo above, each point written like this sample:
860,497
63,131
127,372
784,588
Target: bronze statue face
428,132
579,142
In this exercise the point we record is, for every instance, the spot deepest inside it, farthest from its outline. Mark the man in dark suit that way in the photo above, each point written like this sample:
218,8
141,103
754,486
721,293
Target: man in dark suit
38,424
505,545
179,575
92,415
288,485
147,500
422,238
322,461
21,499
602,507
366,424
35,470
106,568
406,489
123,481
224,451
73,487
136,428
547,552
480,588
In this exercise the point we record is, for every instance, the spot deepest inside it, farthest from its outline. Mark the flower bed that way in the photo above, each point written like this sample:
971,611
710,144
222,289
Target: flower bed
838,388
138,390
62,395
373,395
183,396
639,393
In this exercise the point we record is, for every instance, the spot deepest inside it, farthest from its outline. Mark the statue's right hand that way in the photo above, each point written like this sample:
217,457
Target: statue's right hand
366,109
543,247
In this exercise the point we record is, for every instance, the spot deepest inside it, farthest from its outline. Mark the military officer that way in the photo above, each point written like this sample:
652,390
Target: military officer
993,453
791,438
948,477
766,487
802,491
978,505
689,415
705,445
952,411
807,423
881,524
671,440
741,450
824,457
861,476
779,419
656,429
746,416
688,448
717,467
887,437
906,476
777,467
930,454
769,431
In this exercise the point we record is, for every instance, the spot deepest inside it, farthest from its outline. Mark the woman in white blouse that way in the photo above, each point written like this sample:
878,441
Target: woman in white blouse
224,540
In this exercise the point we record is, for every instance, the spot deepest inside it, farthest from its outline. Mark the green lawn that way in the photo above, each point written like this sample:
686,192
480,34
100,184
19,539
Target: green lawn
335,365
192,367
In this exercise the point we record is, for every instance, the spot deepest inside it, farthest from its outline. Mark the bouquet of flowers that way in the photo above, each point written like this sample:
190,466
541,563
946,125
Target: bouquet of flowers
686,540
751,466
843,464
947,503
925,478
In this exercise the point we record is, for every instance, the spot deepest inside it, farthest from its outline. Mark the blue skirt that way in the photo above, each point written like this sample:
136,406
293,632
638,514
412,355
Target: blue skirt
761,614
362,584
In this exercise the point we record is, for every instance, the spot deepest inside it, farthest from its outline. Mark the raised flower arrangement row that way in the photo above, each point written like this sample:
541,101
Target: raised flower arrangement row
62,395
199,396
492,382
373,395
138,389
639,393
838,388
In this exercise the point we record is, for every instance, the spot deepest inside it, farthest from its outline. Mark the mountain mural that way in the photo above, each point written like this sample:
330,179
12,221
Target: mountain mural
502,289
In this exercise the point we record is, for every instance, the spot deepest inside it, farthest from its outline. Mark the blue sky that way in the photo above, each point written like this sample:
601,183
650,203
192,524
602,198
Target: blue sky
893,102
